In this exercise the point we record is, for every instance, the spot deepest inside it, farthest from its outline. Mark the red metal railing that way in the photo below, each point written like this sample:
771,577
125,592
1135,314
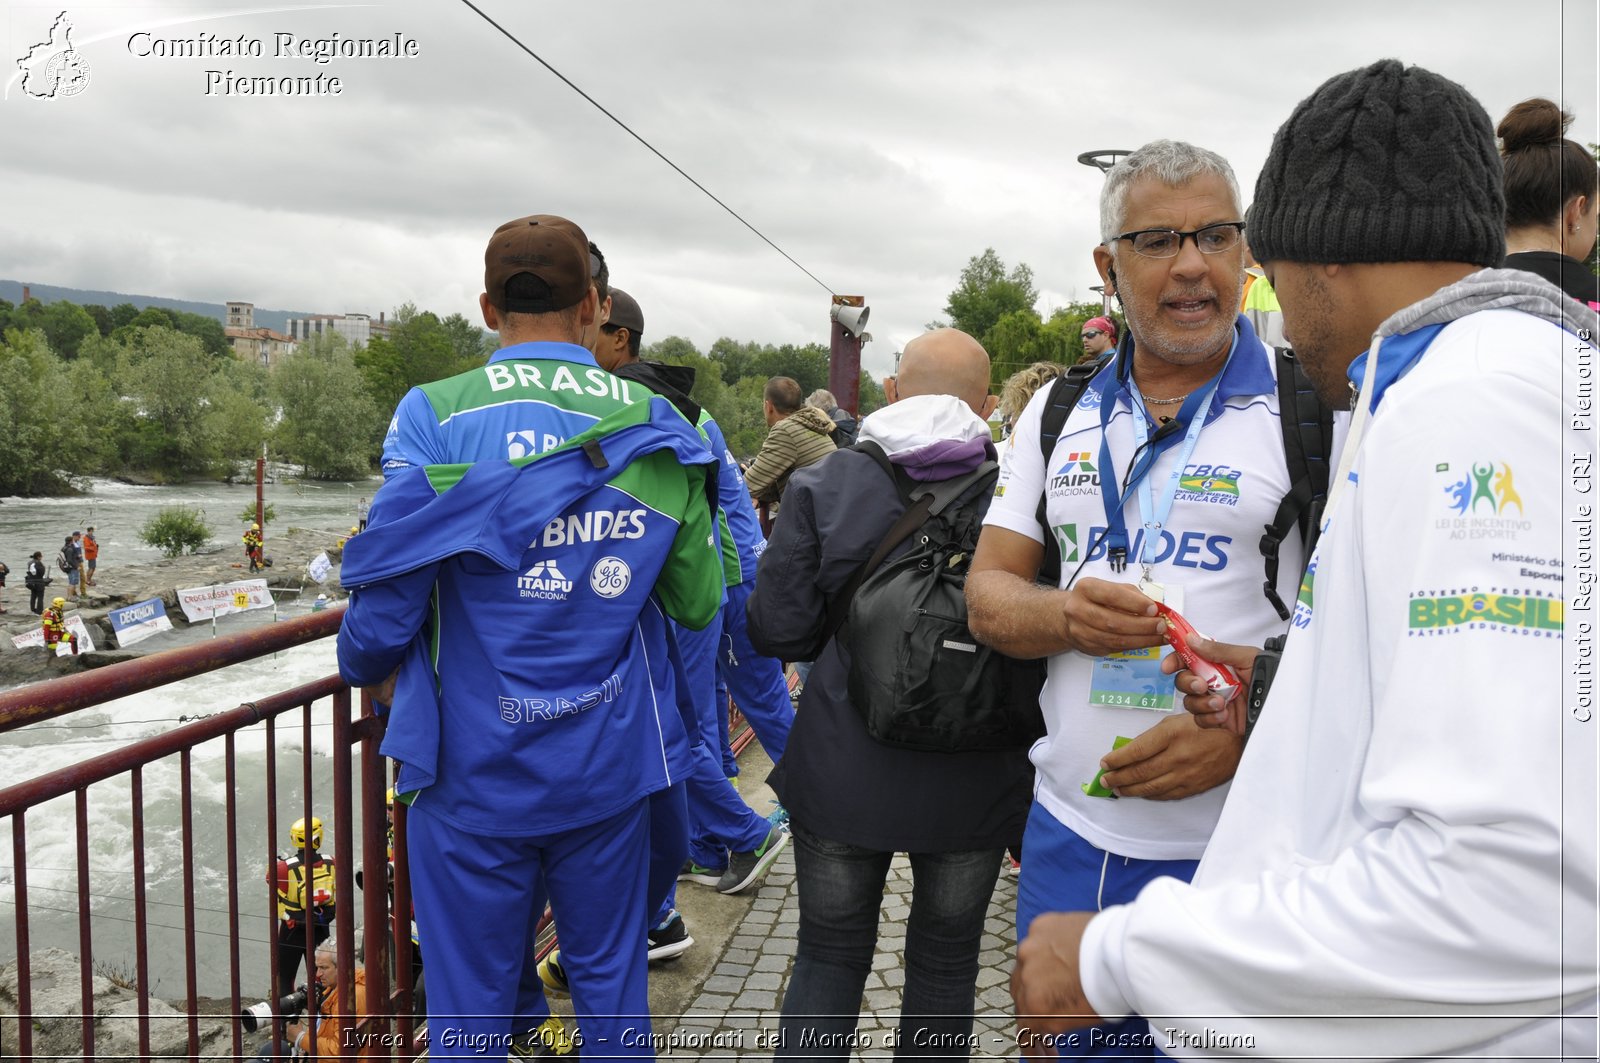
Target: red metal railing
389,1006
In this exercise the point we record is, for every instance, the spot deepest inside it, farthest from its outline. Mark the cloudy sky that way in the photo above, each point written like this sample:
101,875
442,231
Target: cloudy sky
880,144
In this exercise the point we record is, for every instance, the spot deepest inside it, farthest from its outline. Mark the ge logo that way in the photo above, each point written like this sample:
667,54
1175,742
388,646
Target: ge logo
610,577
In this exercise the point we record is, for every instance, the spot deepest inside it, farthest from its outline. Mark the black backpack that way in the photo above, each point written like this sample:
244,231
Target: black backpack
61,560
1307,424
917,676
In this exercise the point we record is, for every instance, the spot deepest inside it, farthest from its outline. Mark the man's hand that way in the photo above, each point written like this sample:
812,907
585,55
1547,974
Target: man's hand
1210,710
1045,984
1173,759
292,1032
383,693
1102,617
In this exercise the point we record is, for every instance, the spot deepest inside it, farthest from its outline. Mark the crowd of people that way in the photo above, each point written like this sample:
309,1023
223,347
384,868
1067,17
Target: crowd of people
563,578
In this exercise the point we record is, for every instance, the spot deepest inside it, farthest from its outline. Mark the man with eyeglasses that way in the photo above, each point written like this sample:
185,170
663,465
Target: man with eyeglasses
1099,336
1158,488
1406,866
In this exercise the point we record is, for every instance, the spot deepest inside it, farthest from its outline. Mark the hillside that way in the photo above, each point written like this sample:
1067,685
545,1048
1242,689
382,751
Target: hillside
11,291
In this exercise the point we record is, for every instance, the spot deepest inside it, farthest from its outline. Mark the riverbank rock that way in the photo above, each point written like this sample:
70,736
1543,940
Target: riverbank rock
290,551
56,1002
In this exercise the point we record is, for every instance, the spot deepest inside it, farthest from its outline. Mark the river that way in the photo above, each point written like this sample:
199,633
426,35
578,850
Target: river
117,511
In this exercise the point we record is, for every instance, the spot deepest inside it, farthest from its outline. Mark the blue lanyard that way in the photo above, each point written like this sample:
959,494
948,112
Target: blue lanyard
1193,415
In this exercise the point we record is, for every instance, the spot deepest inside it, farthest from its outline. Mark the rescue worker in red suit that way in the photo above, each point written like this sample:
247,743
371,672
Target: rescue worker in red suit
54,621
304,882
252,547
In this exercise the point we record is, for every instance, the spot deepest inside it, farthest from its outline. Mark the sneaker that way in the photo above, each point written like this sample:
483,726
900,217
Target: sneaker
549,1038
553,975
1011,865
669,940
778,817
706,876
745,868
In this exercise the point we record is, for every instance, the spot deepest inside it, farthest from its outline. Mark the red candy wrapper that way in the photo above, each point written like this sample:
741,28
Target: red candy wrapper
1219,677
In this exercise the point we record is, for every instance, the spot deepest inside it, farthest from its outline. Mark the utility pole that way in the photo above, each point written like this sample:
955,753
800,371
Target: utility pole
261,495
849,316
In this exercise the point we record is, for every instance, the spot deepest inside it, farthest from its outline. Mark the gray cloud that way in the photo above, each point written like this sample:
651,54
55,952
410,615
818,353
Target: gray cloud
879,144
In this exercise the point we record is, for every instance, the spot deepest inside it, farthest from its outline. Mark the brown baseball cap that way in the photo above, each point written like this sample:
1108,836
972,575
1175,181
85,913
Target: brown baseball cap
625,312
553,250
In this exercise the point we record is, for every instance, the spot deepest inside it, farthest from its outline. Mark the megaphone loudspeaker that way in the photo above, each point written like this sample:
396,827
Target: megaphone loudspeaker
853,318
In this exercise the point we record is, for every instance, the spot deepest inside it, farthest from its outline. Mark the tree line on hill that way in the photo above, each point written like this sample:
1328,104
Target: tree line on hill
156,395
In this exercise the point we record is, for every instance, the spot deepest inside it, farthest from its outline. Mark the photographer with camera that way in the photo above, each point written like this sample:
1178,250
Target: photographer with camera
334,1033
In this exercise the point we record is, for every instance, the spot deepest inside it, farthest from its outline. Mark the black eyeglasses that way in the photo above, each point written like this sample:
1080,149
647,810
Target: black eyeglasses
1090,334
1166,243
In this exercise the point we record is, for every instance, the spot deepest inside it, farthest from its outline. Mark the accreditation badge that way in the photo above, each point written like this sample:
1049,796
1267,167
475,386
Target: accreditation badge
1133,679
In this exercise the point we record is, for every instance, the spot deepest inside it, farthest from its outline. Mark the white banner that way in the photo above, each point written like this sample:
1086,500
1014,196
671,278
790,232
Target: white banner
203,603
74,625
319,567
135,623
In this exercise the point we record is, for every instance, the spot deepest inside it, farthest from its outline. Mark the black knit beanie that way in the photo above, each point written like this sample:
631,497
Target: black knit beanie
1383,164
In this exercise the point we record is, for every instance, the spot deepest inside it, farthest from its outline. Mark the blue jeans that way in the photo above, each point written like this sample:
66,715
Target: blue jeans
841,889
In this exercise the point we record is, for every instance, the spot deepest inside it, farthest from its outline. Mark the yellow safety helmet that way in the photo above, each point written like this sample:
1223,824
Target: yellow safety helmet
59,602
254,526
354,529
297,834
388,798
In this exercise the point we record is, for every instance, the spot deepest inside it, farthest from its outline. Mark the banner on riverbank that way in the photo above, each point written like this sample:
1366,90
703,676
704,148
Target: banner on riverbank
203,603
319,567
135,623
74,625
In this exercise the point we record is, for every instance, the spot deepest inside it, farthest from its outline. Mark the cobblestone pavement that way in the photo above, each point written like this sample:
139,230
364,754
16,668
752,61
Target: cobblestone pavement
735,1013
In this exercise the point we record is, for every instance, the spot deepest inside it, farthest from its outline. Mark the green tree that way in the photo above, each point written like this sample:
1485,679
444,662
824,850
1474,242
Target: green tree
66,325
870,397
175,530
328,422
737,360
168,377
383,371
468,342
42,440
122,314
102,317
237,414
208,330
987,292
743,421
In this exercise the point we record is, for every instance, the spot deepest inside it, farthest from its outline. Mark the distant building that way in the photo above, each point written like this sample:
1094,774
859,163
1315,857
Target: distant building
357,329
241,315
263,346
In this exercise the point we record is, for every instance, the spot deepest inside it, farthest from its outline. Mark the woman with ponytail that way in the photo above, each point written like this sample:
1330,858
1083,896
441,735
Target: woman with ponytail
1551,187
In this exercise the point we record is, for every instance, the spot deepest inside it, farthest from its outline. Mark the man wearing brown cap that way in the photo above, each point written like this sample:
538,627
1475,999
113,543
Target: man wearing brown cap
1406,864
526,605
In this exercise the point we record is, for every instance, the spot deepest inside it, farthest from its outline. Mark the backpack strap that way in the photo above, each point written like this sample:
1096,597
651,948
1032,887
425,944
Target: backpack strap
1065,391
923,500
1307,424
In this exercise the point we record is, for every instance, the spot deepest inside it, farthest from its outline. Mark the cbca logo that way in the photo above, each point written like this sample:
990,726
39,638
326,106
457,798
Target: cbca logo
1216,484
545,581
1486,487
53,68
